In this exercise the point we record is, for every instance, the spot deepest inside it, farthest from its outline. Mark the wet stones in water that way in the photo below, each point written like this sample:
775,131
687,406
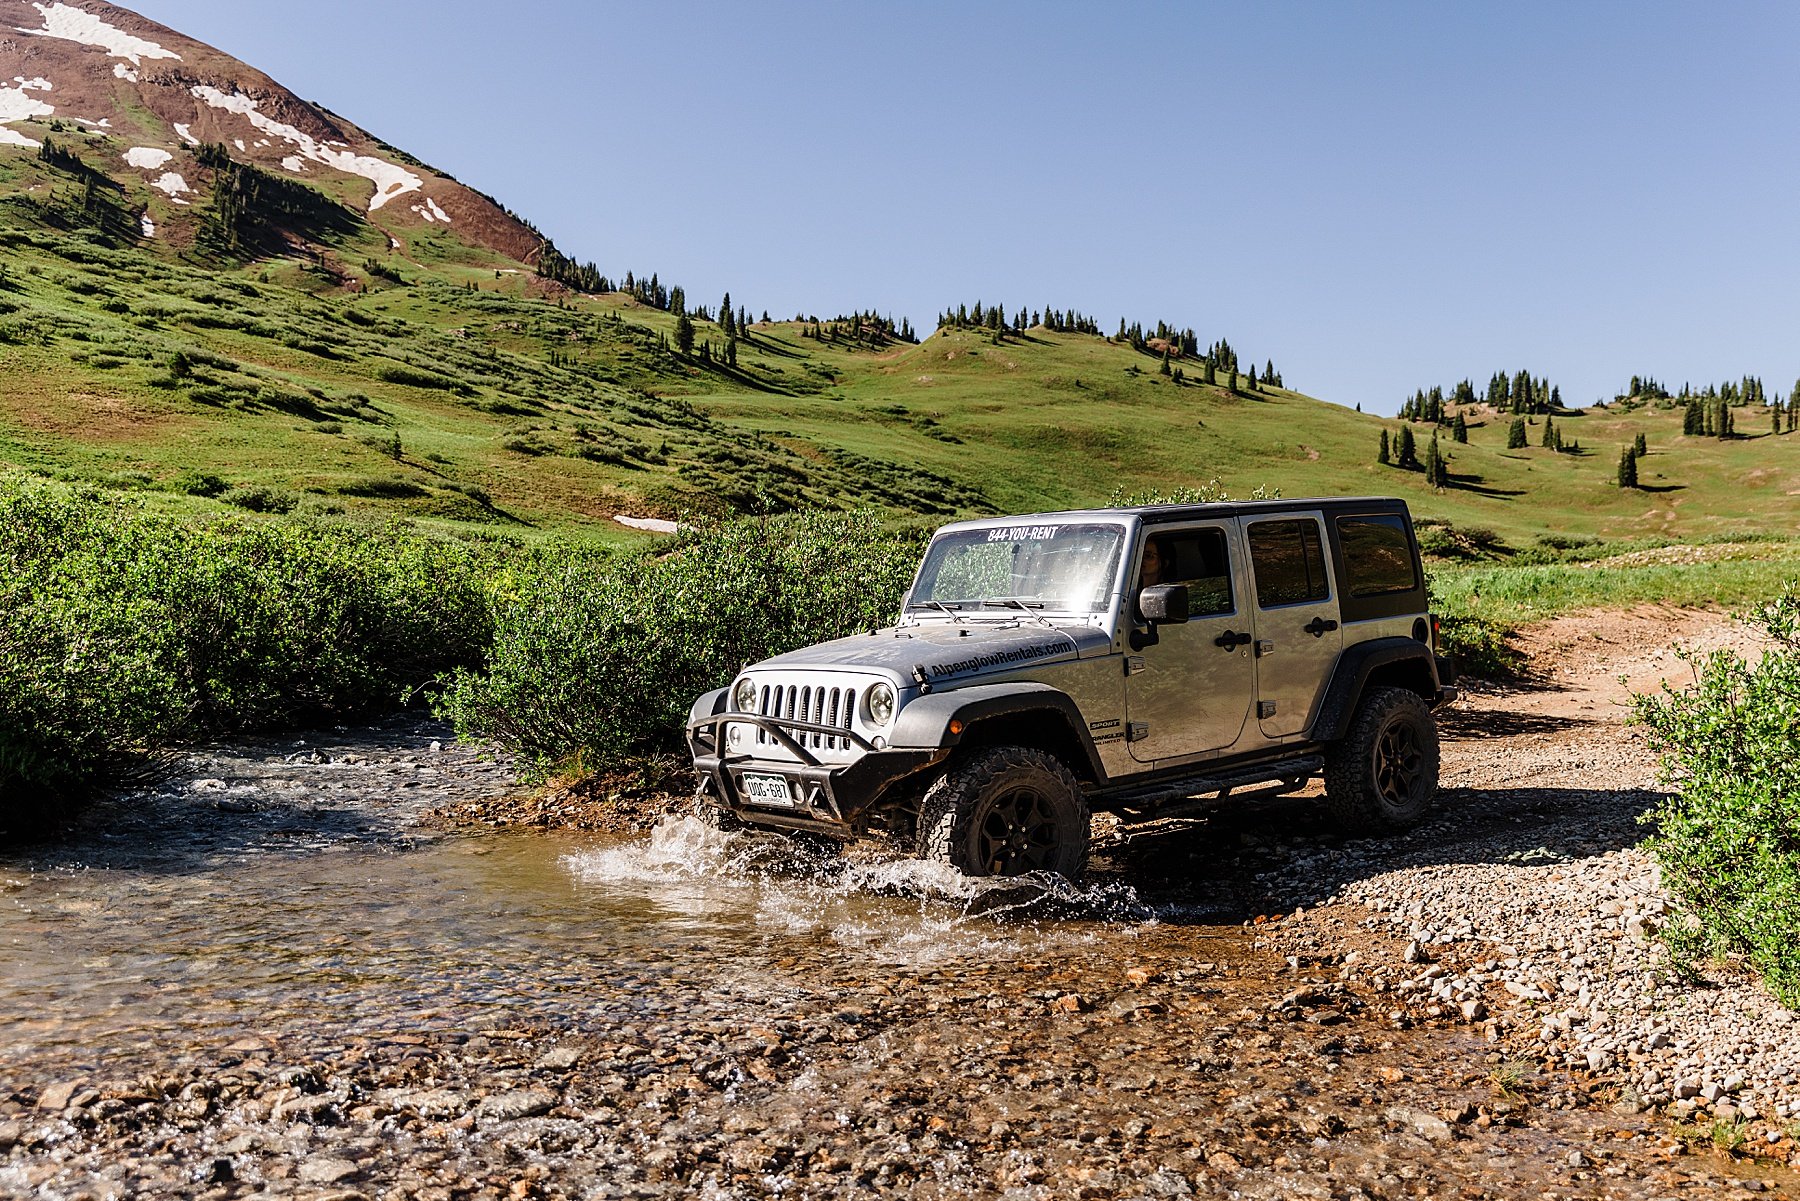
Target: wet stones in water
522,1103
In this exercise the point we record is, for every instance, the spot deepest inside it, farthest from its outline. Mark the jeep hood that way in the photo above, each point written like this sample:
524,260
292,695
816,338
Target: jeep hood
948,652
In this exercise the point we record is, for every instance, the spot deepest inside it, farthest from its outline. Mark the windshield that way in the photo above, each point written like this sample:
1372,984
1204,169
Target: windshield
1069,568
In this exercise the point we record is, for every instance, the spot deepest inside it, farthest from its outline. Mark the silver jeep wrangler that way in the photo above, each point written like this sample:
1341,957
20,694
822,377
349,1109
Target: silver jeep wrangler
1137,661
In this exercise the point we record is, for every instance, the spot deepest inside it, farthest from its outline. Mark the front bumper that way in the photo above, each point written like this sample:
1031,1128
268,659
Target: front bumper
831,798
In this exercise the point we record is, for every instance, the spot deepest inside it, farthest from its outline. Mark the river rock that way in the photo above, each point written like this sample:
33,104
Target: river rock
56,1098
520,1103
1425,1125
327,1169
559,1059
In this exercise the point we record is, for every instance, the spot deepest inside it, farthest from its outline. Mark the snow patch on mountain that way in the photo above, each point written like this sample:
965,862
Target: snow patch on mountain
390,179
436,208
67,23
172,185
294,163
147,158
147,225
186,134
121,71
16,104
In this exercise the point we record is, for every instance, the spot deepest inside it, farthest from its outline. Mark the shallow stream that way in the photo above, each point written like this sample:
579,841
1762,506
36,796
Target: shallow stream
270,973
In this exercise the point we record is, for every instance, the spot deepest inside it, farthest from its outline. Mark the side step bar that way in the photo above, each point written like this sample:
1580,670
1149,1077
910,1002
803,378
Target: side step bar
1167,798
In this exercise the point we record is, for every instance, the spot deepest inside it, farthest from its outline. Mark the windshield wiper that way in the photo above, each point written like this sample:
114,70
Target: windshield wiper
1025,607
940,606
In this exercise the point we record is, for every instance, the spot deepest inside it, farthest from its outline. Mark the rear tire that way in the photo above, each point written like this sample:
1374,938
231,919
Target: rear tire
1006,811
1382,776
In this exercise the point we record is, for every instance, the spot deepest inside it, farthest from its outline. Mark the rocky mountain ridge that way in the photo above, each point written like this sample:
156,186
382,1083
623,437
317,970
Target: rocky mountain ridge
103,78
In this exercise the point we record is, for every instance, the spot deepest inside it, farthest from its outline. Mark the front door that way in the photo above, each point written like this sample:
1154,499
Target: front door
1297,634
1189,692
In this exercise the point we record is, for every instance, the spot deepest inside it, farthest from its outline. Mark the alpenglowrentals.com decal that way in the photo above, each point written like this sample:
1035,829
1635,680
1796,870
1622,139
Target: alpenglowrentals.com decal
1018,654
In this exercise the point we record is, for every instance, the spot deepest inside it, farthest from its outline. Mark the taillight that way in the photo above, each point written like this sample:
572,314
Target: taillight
1434,633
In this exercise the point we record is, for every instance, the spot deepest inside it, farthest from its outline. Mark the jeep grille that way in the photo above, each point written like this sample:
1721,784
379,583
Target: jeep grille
804,702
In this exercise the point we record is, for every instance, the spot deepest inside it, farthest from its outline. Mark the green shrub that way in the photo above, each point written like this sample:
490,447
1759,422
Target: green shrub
197,483
122,631
1728,838
255,498
1478,646
597,660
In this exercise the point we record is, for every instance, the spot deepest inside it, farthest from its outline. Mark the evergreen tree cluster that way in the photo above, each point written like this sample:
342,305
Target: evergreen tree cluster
1643,388
867,331
1708,416
53,155
994,319
557,267
1707,412
1628,475
1519,393
252,210
1402,451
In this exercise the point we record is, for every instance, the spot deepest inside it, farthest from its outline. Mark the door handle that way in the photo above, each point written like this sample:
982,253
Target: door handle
1231,641
1318,626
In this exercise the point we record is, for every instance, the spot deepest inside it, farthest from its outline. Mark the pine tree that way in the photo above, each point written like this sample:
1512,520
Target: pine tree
1435,472
1164,368
1382,456
1549,432
1515,435
684,335
731,352
1409,457
1627,469
1212,372
1640,447
1234,379
1460,431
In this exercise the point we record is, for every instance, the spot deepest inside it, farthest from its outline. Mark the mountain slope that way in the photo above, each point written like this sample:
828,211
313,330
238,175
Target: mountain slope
314,334
103,78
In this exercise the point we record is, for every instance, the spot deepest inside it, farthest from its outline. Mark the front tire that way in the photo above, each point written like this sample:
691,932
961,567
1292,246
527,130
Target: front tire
1006,811
1383,775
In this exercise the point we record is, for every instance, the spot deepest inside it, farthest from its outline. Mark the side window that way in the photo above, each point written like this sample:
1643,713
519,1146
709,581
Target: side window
1199,559
1378,556
1289,563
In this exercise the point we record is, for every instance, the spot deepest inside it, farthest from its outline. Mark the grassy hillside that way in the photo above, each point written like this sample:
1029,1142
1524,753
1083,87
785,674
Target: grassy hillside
439,381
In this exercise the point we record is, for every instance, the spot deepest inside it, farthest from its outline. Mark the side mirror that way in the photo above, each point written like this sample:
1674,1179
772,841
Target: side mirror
1164,604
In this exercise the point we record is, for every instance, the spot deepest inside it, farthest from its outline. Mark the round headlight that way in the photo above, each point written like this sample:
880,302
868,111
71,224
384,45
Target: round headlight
881,704
743,696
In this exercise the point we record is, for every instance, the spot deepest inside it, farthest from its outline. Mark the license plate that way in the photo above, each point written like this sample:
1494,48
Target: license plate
767,790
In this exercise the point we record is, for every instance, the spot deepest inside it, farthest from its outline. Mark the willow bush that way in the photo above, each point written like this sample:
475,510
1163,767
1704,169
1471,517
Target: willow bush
122,631
595,662
1728,837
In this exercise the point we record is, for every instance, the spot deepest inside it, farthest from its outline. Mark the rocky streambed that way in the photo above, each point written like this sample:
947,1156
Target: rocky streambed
272,975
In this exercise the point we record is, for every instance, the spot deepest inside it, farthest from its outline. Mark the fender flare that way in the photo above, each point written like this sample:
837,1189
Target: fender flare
925,722
708,704
1354,667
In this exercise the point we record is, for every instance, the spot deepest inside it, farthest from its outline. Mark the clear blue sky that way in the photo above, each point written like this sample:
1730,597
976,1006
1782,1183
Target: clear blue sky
1377,196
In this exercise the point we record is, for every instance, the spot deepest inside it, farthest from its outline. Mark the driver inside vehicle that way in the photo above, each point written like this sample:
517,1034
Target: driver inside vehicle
1154,570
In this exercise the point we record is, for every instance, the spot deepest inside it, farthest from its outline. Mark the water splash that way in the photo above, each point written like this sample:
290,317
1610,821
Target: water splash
865,898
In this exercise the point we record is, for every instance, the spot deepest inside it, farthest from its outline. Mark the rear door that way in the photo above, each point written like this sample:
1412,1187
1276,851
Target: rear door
1190,691
1297,622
